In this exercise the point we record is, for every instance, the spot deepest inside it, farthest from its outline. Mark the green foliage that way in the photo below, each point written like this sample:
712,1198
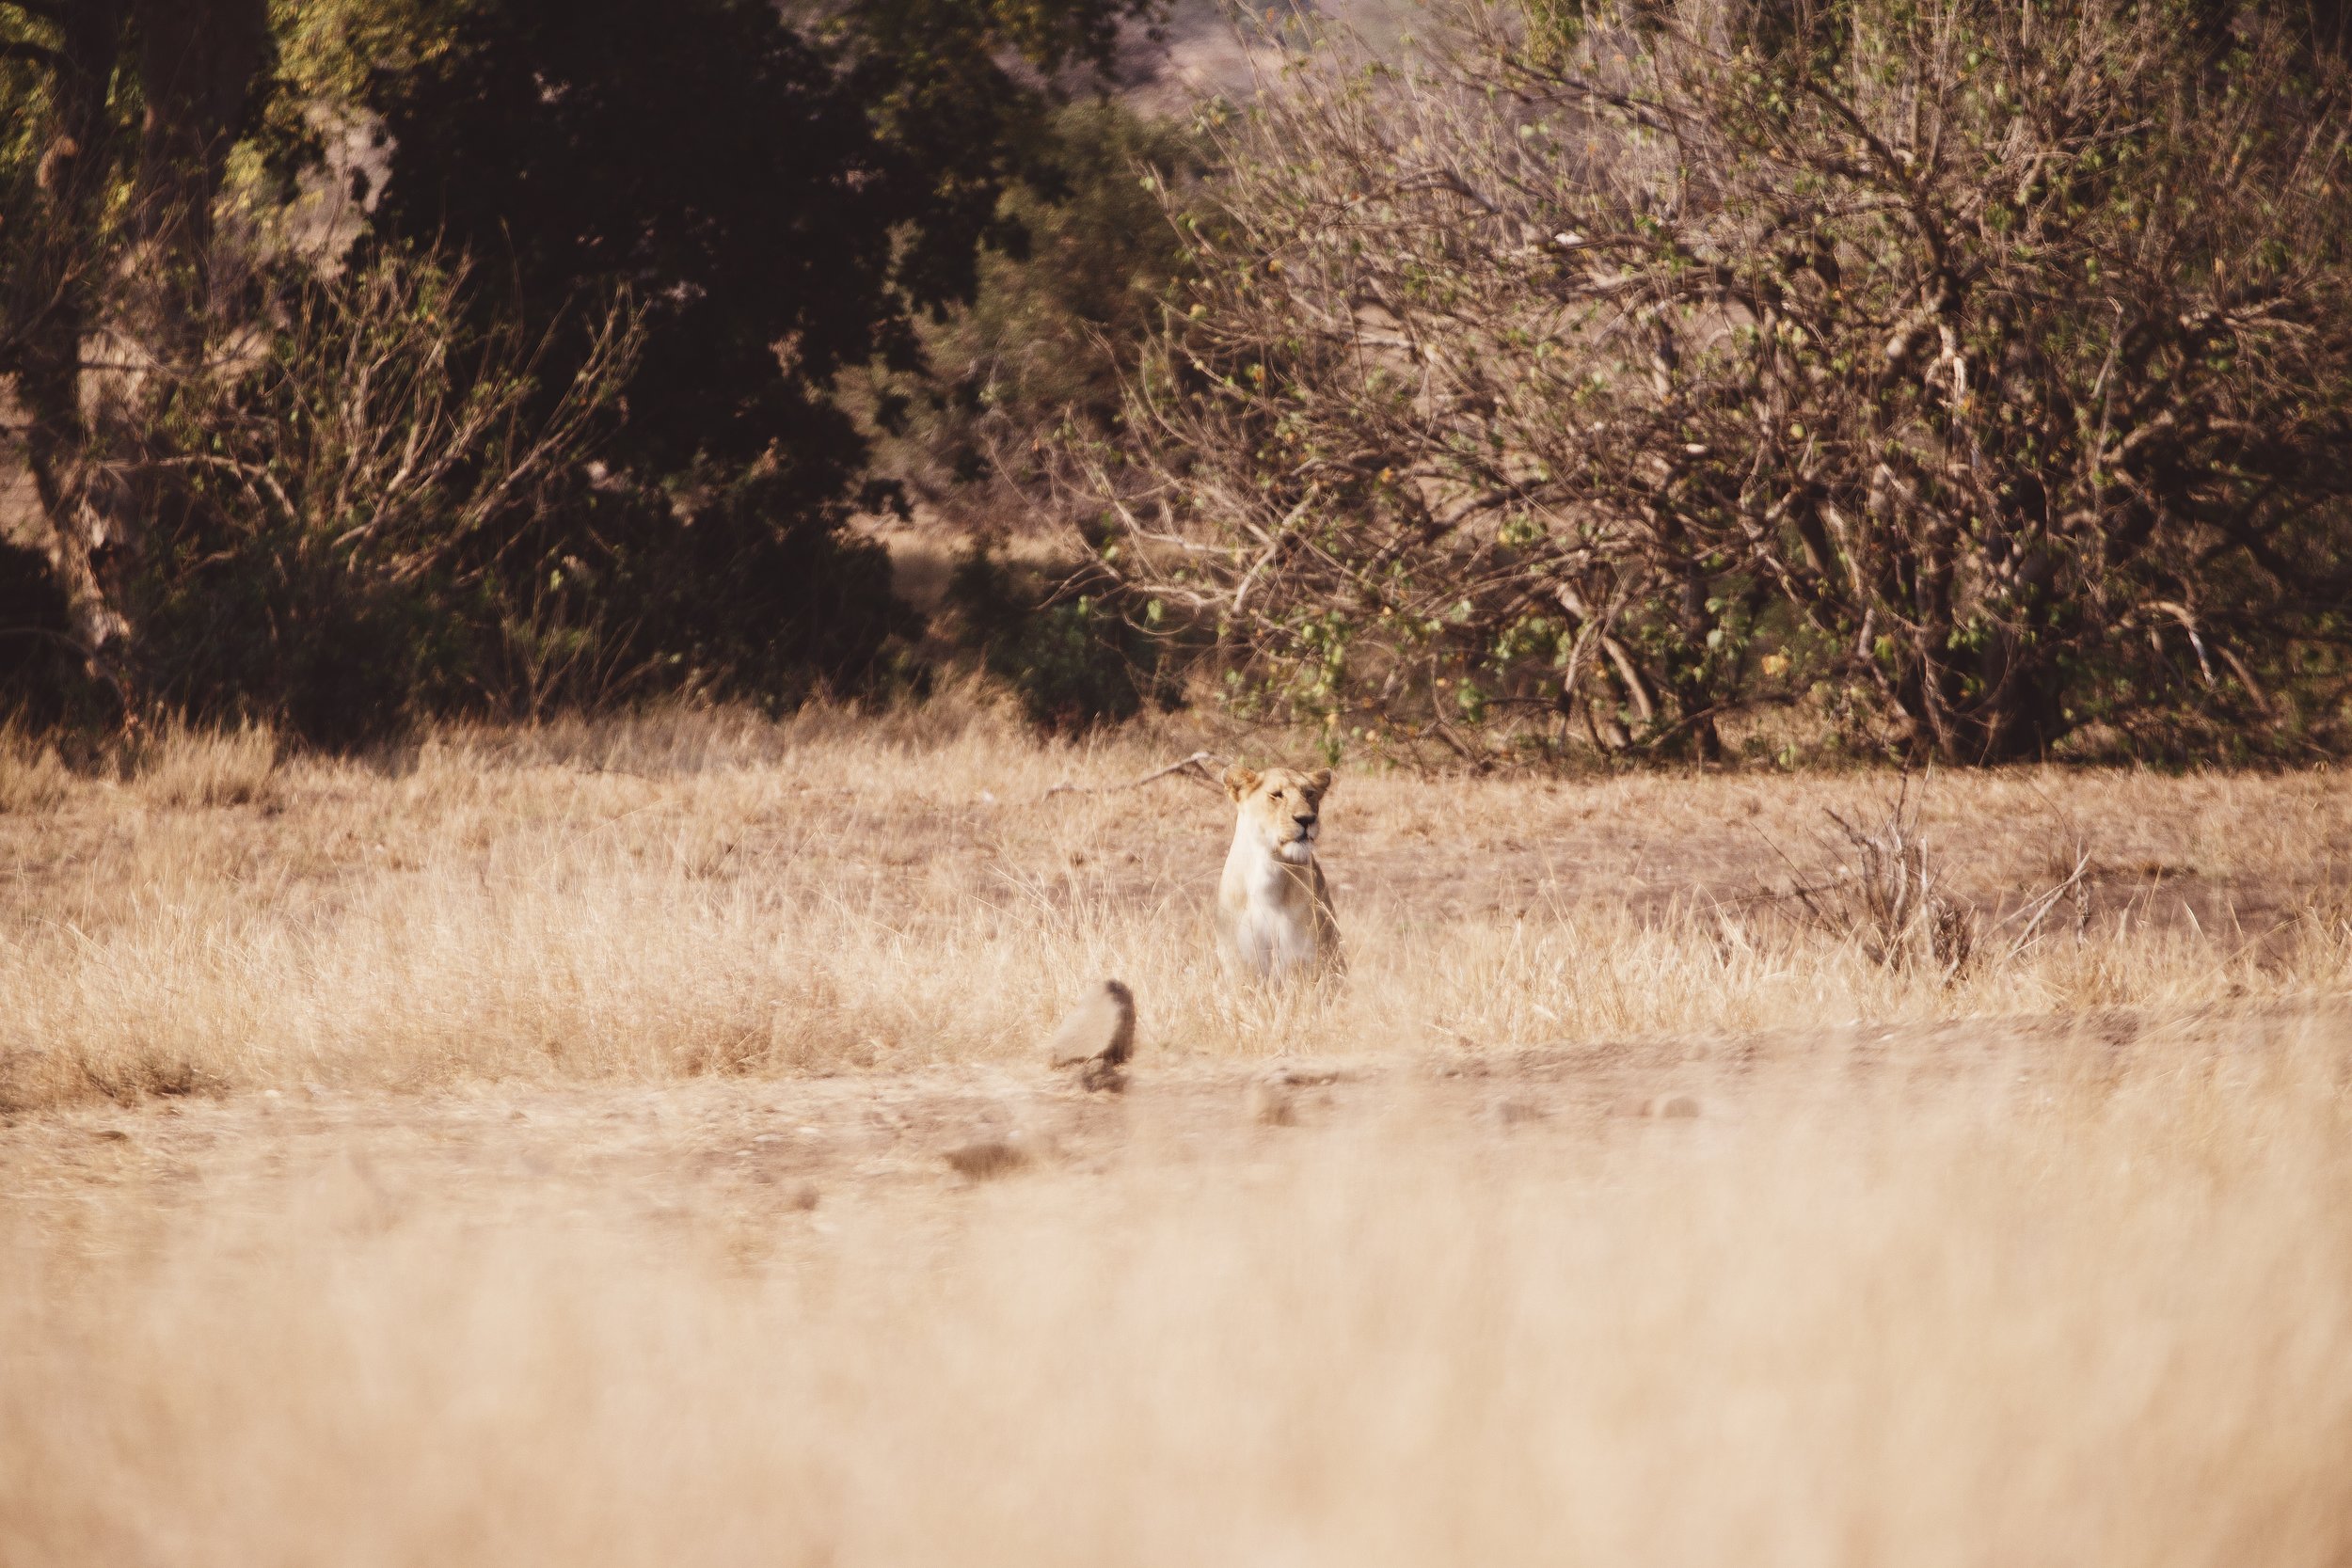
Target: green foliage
777,196
1087,258
787,200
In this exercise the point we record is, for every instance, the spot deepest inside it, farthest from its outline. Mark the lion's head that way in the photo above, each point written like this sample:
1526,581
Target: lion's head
1281,808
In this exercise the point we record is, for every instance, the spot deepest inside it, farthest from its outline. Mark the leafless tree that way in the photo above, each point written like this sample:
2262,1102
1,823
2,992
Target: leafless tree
376,450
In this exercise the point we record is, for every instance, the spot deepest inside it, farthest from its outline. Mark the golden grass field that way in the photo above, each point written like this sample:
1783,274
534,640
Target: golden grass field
532,1147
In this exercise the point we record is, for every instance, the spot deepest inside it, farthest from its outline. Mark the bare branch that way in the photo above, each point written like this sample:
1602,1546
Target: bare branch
1199,767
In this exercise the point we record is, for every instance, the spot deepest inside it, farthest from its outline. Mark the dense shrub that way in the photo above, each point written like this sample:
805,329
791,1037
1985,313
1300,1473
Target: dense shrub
1072,658
39,659
1981,372
563,425
1085,259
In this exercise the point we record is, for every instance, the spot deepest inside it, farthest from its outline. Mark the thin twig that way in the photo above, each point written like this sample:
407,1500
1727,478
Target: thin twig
2038,908
1198,764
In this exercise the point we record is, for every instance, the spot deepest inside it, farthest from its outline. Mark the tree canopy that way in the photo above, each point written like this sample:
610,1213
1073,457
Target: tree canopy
768,197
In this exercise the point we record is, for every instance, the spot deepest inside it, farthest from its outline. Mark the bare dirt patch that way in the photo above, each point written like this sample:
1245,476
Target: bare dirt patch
1970,1291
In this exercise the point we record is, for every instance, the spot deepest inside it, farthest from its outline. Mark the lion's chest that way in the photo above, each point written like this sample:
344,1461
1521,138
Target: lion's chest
1266,915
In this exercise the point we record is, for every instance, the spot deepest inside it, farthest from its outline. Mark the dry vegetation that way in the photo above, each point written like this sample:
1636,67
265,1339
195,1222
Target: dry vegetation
703,895
533,1148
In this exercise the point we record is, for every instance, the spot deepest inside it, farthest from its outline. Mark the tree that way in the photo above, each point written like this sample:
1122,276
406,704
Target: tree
765,200
123,116
1054,323
784,200
261,479
1992,365
356,517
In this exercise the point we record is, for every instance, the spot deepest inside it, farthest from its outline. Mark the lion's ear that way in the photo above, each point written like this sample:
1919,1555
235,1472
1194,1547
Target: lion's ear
1319,780
1239,782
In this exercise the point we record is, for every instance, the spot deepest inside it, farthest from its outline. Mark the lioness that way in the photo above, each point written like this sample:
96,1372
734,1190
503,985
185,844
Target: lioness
1273,909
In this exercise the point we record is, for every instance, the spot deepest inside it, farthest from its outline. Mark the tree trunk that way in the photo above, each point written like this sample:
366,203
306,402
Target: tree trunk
2014,716
58,295
2020,712
197,59
1696,622
103,331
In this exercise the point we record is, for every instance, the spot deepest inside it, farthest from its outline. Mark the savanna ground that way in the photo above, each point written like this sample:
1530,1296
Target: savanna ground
532,1146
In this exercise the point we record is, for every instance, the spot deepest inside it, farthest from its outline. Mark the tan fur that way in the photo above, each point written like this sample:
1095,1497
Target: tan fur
1274,916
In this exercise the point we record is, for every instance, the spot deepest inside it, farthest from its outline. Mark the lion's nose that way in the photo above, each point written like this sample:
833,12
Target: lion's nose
1308,822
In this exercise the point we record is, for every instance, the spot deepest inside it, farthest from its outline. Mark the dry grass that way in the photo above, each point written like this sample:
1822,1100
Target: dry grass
564,1176
32,777
704,894
1983,1301
194,769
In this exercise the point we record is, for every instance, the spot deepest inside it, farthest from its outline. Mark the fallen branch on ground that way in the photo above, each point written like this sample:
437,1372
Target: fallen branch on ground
1199,765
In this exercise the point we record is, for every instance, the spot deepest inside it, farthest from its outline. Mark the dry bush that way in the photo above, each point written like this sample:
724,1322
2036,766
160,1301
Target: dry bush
379,483
180,766
1884,889
1572,371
